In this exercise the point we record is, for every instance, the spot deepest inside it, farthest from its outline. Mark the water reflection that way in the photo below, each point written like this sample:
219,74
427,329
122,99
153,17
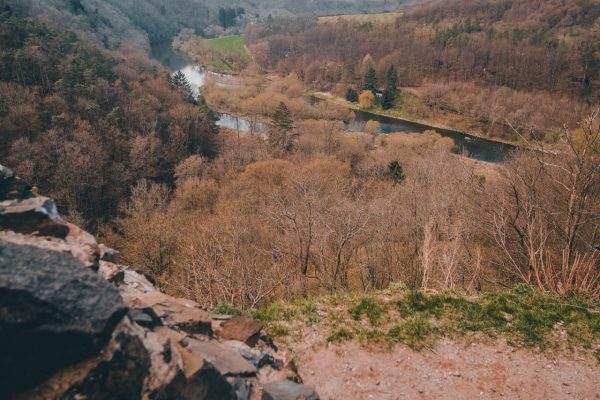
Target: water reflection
465,144
241,124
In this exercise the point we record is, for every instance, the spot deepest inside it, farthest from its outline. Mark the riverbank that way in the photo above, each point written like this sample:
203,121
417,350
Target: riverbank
339,101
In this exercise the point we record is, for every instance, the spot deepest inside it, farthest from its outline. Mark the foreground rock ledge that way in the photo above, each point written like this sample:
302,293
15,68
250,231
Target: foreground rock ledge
55,312
76,325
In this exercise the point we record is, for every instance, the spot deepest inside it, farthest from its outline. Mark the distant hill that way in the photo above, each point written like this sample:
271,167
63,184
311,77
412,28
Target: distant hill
141,22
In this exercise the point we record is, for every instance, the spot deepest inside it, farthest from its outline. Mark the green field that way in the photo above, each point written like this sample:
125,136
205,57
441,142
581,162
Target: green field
226,43
228,54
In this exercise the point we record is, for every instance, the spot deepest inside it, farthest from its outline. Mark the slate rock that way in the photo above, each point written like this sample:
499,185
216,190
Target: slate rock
176,313
257,357
243,329
54,312
109,254
206,383
135,364
145,317
36,215
288,390
227,361
120,378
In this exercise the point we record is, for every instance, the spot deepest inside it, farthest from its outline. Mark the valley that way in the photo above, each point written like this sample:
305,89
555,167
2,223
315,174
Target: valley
299,199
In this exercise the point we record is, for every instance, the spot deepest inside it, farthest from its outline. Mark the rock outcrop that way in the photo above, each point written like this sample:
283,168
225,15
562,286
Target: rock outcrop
74,324
54,312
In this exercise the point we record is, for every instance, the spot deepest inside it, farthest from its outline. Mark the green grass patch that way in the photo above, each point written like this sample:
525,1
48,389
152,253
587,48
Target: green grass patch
524,317
226,43
413,331
339,335
228,54
226,309
369,307
276,330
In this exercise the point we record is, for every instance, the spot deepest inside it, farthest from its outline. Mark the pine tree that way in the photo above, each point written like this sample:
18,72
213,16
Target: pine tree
370,80
179,81
282,135
76,6
389,94
282,118
387,101
391,78
352,95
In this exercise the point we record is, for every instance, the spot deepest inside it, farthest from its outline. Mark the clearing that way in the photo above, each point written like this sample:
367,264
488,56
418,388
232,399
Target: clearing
226,43
227,54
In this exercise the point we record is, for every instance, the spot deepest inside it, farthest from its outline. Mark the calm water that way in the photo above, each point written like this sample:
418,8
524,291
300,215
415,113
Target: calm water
244,125
465,144
175,61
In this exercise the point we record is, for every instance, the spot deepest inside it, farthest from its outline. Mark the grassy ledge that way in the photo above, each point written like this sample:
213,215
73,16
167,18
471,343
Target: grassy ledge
524,317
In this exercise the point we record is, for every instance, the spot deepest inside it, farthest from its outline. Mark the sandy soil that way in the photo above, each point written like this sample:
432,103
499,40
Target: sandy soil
451,370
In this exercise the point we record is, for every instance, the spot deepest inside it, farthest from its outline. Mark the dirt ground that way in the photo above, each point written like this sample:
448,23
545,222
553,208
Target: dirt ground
450,370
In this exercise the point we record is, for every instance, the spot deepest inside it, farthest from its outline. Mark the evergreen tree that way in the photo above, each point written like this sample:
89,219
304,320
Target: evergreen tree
282,118
179,81
352,95
391,78
396,172
370,80
387,101
227,17
282,136
389,94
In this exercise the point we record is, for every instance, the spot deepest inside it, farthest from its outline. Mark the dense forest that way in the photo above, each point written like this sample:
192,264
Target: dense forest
538,61
84,124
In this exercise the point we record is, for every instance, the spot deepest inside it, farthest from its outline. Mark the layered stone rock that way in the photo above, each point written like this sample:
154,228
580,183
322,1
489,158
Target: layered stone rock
75,325
243,329
54,312
36,215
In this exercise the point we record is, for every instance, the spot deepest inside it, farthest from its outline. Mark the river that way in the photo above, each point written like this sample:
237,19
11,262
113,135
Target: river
468,145
175,61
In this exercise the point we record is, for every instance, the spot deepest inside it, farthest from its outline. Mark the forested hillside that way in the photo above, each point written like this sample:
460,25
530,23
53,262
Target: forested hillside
534,63
84,123
141,22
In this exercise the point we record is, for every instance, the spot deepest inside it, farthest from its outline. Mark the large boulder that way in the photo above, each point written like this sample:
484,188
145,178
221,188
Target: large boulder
135,364
54,312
